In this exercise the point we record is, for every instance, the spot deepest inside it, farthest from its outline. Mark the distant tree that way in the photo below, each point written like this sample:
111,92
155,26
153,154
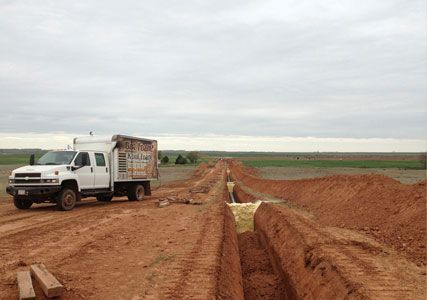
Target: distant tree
159,154
180,160
165,160
193,156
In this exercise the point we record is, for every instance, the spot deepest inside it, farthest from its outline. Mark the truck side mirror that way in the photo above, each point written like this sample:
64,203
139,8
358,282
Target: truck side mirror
32,160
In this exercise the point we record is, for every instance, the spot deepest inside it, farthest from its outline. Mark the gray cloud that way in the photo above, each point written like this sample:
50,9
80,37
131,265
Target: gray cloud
353,69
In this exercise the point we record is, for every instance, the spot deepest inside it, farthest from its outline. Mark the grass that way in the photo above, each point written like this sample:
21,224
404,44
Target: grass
377,164
16,159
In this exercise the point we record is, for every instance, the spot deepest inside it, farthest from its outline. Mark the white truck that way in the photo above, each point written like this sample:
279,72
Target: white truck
96,167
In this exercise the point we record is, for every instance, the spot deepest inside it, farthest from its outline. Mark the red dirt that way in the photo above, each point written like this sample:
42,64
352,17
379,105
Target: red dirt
259,279
128,249
241,196
332,263
230,285
136,250
391,212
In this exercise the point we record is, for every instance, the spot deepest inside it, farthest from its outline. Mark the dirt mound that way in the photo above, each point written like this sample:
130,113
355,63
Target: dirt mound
391,212
330,263
230,285
200,170
241,196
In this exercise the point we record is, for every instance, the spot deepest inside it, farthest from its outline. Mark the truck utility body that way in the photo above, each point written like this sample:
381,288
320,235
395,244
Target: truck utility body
103,167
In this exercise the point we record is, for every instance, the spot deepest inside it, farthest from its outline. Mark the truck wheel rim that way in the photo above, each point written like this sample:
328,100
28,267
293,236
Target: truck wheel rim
139,193
68,199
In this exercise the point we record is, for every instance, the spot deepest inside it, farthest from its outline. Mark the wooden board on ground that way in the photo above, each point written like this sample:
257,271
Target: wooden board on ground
25,285
49,284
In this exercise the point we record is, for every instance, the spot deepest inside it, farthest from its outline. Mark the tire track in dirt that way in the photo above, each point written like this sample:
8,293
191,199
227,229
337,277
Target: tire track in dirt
64,237
199,263
18,219
100,250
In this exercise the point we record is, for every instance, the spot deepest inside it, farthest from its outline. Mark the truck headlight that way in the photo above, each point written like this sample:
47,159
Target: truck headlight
50,180
11,180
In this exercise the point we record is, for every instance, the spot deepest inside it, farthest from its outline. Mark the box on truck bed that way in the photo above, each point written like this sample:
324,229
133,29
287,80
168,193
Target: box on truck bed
132,158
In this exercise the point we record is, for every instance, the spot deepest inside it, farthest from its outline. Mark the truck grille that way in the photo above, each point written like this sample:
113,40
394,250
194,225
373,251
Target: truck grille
20,175
27,181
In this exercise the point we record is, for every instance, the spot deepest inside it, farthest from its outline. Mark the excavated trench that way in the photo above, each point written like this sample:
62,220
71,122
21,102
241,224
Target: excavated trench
284,254
260,280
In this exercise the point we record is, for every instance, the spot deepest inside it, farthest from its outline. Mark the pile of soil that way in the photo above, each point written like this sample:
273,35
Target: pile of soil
319,262
391,212
241,196
201,169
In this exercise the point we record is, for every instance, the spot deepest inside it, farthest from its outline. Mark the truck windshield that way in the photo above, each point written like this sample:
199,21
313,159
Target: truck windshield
57,158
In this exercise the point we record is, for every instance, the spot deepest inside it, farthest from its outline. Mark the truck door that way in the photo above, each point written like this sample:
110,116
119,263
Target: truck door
85,173
102,174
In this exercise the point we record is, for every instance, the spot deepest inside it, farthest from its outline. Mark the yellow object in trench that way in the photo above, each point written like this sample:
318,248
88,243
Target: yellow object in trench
244,215
230,186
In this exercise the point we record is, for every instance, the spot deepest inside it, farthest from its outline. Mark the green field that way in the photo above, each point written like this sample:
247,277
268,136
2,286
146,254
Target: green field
412,161
16,159
378,164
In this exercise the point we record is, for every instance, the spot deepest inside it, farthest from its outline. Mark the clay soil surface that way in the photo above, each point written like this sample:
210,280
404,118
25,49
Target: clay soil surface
317,260
259,279
122,249
404,176
392,213
320,262
341,236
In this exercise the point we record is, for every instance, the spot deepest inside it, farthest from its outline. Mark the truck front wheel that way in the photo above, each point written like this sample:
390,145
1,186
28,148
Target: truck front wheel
22,203
66,199
136,192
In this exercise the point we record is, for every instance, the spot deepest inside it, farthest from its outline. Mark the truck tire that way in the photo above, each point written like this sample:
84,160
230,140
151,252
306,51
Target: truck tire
136,192
104,198
22,203
66,200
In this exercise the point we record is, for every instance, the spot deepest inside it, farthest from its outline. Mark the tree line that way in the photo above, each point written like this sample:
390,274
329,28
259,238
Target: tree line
191,157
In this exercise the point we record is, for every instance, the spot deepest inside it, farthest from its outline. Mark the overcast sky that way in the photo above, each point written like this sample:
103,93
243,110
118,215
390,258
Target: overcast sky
334,71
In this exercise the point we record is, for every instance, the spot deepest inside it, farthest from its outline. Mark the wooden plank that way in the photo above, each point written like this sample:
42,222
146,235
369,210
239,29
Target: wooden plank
49,284
25,285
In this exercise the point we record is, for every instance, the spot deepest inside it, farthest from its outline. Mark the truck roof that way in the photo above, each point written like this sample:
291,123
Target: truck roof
107,140
106,144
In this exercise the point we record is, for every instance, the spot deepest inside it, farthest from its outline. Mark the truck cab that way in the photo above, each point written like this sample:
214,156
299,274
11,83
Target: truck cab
65,177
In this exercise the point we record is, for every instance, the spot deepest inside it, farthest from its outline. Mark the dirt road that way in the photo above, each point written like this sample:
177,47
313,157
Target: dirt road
122,249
